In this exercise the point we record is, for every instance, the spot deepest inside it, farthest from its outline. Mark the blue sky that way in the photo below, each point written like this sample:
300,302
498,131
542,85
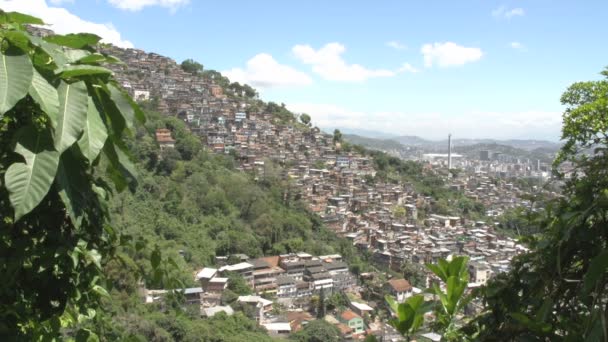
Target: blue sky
477,69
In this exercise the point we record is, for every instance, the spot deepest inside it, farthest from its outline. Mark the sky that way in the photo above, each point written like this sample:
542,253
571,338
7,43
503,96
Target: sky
476,69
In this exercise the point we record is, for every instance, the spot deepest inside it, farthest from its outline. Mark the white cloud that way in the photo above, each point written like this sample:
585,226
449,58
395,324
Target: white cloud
328,63
136,5
396,45
449,54
407,67
264,71
433,125
62,21
516,45
508,13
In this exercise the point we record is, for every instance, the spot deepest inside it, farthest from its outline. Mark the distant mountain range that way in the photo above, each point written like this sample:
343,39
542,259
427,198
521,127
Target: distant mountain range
412,140
408,145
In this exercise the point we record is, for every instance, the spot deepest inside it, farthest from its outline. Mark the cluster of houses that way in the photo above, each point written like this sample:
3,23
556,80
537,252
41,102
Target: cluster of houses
391,222
290,281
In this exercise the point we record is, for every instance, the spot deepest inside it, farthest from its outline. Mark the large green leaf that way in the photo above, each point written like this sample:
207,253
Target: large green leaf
120,169
18,39
29,182
99,58
123,105
15,77
94,135
108,107
596,270
21,18
92,58
46,96
438,270
73,55
74,40
458,267
82,70
73,186
73,103
54,51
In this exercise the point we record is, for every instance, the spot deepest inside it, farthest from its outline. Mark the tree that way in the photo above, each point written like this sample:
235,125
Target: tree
409,315
414,273
305,118
338,300
192,66
318,331
62,117
337,136
237,284
370,338
321,304
398,212
558,291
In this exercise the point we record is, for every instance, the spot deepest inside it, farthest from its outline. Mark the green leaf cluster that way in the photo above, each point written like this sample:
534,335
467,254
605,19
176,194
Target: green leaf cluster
62,118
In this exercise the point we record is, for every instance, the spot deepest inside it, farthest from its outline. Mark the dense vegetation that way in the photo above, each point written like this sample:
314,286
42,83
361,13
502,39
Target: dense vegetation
63,120
204,207
558,291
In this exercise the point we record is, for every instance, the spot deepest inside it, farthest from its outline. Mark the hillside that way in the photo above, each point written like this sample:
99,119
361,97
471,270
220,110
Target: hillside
195,205
375,144
228,180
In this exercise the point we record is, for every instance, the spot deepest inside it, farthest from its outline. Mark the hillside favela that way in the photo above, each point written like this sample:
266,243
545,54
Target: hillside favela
176,170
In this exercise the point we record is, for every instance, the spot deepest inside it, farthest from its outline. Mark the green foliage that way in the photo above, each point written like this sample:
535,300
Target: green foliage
238,285
321,305
191,66
317,331
337,136
305,118
55,234
337,300
414,273
455,275
16,73
244,90
557,291
410,314
279,113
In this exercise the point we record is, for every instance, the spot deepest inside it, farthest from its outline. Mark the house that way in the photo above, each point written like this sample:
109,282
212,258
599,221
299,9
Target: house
265,273
164,139
361,309
319,278
297,319
277,329
210,312
193,295
260,304
205,275
479,272
286,287
353,321
244,269
400,289
212,295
